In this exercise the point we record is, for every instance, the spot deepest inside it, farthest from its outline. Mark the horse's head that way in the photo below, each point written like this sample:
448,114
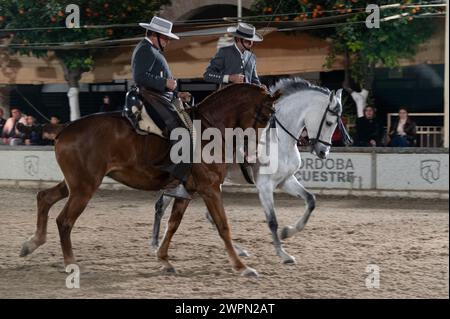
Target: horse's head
322,122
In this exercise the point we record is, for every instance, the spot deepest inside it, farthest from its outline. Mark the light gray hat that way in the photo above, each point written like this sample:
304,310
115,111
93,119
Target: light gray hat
245,31
161,26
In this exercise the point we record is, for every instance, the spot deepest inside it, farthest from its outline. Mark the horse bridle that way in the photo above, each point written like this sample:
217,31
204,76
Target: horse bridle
313,141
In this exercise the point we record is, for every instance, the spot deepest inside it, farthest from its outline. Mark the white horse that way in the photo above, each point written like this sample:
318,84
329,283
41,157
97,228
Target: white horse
302,105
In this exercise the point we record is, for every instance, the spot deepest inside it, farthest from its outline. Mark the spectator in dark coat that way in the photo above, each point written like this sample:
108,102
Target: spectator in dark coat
107,105
369,131
403,132
32,135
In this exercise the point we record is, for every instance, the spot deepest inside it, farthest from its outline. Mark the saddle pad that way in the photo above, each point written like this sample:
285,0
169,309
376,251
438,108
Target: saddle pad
146,123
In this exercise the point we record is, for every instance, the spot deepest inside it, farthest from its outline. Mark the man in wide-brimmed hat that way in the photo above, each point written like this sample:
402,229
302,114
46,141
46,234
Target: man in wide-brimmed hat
151,72
235,63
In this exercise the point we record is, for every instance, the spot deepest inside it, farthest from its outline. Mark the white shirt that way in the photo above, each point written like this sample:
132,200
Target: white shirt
401,127
9,125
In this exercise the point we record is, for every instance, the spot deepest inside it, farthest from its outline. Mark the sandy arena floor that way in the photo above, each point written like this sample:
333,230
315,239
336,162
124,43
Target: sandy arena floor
407,239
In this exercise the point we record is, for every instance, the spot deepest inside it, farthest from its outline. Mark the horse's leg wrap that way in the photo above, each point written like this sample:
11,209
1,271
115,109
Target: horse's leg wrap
160,208
293,187
267,201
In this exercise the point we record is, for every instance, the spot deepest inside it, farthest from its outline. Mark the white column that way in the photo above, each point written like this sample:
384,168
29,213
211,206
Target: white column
74,103
446,107
239,9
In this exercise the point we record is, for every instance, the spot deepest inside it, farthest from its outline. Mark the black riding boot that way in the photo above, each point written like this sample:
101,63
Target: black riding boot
177,187
181,172
166,118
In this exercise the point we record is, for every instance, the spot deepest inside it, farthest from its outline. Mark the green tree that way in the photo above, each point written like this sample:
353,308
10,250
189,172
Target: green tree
363,48
48,19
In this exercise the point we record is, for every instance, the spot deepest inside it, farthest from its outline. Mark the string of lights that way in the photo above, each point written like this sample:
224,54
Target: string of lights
107,44
246,18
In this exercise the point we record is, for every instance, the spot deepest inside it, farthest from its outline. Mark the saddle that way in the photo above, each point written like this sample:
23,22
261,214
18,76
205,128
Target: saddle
135,110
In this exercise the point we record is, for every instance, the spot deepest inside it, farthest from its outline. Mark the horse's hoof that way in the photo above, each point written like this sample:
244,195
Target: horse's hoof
154,246
25,251
244,253
289,261
27,248
285,232
169,270
250,272
241,252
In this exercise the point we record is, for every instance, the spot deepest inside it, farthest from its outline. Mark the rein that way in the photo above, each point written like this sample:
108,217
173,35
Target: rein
345,135
275,120
319,132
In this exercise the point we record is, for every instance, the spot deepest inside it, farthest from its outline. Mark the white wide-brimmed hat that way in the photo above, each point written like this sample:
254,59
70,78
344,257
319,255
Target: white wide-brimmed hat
245,31
161,26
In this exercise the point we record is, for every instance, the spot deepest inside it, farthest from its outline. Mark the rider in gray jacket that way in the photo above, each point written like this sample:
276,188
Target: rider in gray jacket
235,63
151,71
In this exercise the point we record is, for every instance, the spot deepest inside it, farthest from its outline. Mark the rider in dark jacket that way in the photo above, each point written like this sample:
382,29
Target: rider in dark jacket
151,71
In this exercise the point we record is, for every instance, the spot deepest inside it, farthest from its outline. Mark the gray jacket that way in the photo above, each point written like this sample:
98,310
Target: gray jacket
150,69
228,61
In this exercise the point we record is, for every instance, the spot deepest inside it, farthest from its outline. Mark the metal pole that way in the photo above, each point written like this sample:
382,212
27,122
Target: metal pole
239,9
446,107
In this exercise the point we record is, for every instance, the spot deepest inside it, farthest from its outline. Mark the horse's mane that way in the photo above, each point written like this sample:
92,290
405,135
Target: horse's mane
290,86
225,95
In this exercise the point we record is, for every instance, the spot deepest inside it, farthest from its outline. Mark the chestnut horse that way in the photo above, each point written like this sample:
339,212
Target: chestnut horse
102,145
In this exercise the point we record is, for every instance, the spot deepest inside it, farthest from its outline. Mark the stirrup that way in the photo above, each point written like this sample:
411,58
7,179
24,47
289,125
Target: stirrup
132,100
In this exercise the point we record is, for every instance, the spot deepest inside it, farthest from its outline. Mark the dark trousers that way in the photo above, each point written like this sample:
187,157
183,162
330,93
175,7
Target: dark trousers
164,116
400,141
167,119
